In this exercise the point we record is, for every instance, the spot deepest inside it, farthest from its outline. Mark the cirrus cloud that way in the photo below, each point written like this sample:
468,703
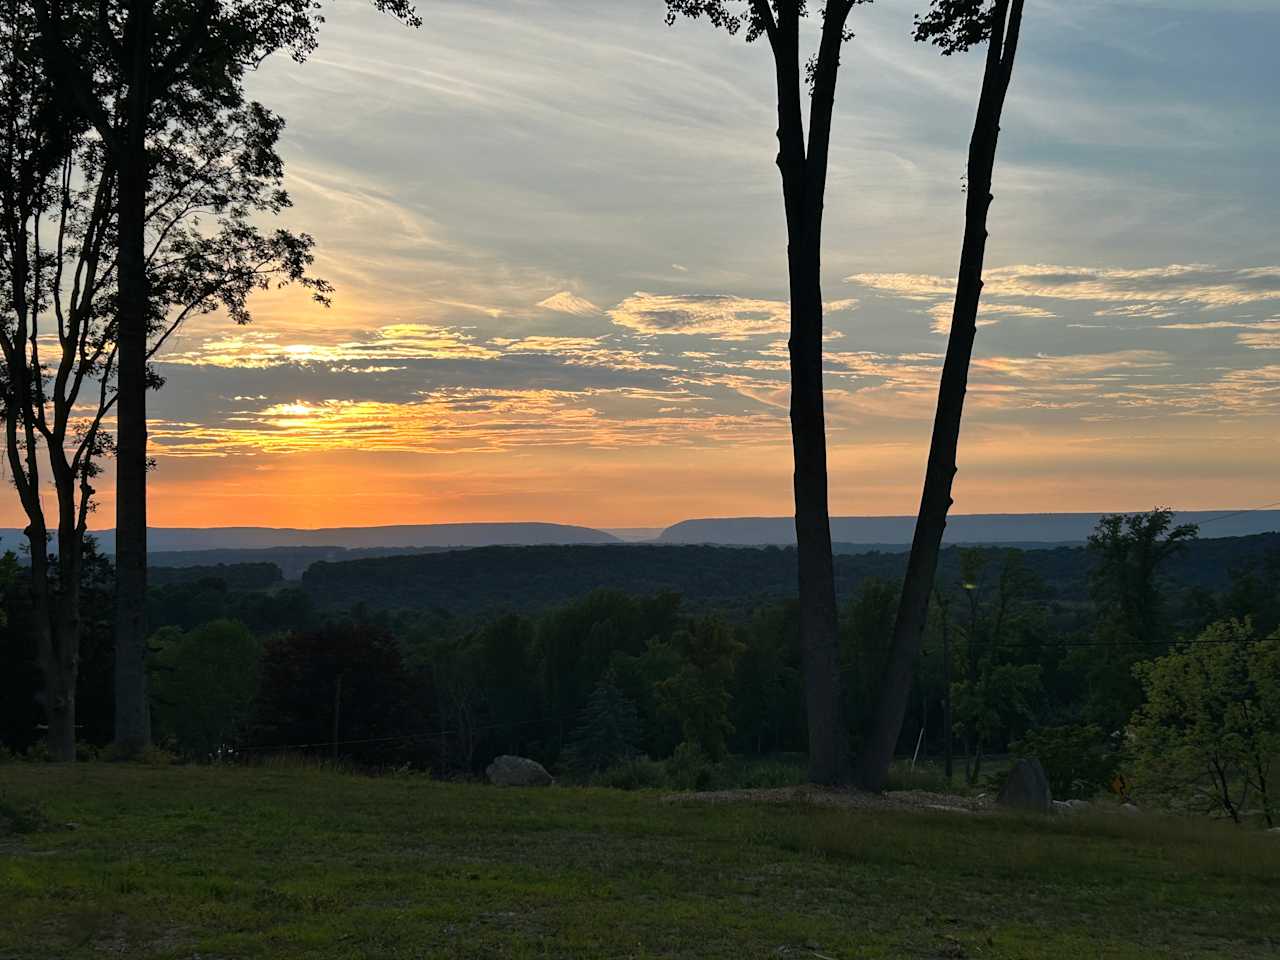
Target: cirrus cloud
1137,293
719,316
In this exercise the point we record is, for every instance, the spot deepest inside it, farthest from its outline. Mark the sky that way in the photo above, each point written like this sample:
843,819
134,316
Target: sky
555,232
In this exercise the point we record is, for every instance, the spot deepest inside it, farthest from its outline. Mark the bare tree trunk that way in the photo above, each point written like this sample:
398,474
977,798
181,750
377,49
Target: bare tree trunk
804,182
828,737
60,707
132,715
913,607
58,659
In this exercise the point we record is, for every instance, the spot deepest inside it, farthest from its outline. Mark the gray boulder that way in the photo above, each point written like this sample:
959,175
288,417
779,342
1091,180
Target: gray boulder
509,771
1027,788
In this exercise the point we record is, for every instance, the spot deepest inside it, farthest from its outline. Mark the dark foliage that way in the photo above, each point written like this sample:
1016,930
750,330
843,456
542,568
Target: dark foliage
236,576
1079,760
452,691
608,731
487,579
352,668
955,26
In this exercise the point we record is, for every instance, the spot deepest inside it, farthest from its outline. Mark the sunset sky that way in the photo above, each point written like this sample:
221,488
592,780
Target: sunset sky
555,230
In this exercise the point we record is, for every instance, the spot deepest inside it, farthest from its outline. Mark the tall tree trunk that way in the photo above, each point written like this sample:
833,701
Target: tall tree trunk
804,182
65,617
913,607
58,659
828,737
132,715
61,674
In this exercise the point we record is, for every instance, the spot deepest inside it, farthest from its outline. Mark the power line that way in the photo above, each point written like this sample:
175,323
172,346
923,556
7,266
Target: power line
1238,513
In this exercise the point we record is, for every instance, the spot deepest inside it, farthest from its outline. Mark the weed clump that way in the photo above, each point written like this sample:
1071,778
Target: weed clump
21,817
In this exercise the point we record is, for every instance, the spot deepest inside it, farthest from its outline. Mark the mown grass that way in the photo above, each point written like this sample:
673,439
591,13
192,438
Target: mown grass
220,863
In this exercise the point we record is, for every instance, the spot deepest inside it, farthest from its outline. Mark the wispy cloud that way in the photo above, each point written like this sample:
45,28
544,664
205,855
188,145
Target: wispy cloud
1136,292
718,316
988,314
713,315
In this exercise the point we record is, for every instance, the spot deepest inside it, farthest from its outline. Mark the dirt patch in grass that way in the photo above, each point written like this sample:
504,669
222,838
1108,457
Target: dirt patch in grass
898,800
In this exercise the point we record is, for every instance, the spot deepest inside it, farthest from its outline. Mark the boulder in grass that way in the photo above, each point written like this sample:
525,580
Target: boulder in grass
509,771
1027,788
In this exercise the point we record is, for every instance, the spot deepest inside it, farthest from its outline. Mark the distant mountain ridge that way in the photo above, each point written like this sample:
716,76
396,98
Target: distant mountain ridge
994,528
166,539
184,546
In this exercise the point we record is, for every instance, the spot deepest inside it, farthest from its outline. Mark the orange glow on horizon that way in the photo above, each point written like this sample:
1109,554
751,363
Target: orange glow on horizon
654,486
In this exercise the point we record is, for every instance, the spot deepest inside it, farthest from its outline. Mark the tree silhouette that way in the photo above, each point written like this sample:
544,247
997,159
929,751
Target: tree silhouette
59,276
1127,583
803,167
133,69
954,26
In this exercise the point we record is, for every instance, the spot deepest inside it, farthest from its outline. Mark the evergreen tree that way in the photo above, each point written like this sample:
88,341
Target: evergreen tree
608,730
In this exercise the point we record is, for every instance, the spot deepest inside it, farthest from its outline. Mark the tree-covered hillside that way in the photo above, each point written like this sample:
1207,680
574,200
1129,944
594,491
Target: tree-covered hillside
522,579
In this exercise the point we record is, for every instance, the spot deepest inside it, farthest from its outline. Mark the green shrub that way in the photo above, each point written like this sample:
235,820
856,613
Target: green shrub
1079,760
752,773
1208,735
634,773
689,767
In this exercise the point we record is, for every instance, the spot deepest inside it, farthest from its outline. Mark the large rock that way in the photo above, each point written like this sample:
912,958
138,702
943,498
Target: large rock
509,771
1027,788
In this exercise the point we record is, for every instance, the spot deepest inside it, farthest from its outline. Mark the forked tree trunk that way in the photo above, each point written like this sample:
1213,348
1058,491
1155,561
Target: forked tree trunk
922,566
58,659
132,715
804,181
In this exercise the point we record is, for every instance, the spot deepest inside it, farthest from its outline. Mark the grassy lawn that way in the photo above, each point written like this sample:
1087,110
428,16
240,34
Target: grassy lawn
220,863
